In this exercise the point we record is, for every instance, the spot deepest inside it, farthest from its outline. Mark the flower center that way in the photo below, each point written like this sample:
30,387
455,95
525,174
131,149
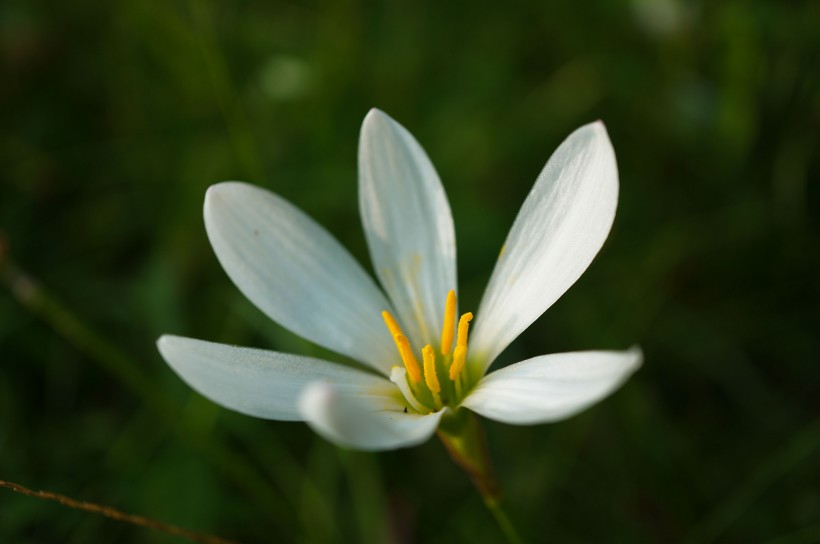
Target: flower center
420,383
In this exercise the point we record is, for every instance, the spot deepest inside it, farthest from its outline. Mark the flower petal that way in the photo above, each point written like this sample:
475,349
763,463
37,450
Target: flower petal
559,230
551,387
408,225
359,423
264,383
297,273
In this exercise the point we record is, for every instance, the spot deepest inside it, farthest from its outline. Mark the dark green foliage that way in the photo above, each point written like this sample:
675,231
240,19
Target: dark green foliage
116,116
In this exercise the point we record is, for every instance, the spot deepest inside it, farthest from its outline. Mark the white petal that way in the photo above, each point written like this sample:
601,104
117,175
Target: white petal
359,423
559,230
297,273
551,387
408,225
264,383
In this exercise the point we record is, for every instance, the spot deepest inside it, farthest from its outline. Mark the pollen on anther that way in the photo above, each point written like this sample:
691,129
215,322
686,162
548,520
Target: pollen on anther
448,329
463,325
430,376
392,324
410,361
459,357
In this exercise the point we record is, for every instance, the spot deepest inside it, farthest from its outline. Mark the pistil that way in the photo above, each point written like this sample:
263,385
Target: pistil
399,376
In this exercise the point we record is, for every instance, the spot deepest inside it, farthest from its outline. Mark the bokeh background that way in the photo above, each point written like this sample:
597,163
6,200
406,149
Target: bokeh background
116,117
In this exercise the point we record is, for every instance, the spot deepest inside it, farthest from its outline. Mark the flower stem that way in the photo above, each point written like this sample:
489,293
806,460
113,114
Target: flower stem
503,520
462,435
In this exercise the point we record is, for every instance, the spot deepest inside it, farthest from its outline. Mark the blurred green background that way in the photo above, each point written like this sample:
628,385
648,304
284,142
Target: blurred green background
116,116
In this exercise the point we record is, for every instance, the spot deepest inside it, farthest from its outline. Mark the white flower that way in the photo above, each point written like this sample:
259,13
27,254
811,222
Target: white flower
301,277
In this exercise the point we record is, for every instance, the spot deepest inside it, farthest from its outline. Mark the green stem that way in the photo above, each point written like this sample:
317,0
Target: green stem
503,520
462,435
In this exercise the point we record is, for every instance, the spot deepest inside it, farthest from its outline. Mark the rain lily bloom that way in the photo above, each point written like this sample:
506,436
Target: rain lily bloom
410,334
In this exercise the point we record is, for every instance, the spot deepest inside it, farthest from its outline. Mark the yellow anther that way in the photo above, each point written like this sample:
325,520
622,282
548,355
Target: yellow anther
430,376
459,357
410,362
391,323
449,326
463,325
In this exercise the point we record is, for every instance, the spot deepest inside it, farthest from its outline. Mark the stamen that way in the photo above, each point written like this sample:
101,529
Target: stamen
463,325
447,329
410,362
391,323
430,369
398,376
459,357
430,376
409,377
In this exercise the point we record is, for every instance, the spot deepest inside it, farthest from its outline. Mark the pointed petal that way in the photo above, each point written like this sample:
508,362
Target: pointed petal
551,387
357,422
263,383
408,225
559,230
297,273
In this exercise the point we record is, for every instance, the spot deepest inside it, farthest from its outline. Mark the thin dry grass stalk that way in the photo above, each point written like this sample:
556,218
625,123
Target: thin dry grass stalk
115,514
